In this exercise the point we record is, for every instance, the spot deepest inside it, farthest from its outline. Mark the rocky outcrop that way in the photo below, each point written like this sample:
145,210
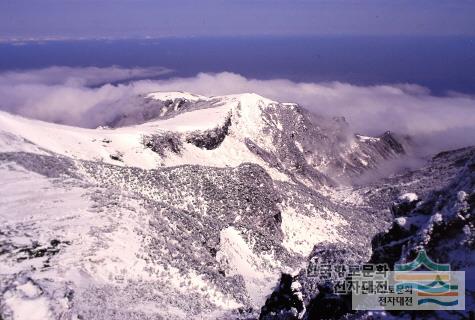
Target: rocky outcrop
162,143
210,139
285,303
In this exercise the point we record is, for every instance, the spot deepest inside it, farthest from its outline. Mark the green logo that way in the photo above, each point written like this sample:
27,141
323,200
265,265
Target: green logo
422,259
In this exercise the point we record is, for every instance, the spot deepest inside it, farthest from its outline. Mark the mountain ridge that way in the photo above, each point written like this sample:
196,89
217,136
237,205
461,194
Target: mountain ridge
254,125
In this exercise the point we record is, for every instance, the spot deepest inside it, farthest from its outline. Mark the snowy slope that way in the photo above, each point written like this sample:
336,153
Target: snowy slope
101,144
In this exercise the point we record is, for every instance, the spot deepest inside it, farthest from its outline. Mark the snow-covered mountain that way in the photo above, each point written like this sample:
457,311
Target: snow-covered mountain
432,208
188,206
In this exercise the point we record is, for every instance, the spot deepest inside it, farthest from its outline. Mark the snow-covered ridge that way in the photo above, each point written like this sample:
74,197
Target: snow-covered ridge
366,138
281,137
174,95
100,144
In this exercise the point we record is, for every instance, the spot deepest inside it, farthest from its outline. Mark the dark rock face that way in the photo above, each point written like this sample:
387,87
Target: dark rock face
285,303
210,139
161,143
315,295
471,199
321,300
402,207
393,145
388,254
116,157
327,305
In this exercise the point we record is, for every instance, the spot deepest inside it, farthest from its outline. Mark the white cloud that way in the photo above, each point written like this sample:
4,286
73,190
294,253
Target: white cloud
78,96
87,76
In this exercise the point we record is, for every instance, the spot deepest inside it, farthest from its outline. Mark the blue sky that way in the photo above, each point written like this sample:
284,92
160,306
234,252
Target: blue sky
141,18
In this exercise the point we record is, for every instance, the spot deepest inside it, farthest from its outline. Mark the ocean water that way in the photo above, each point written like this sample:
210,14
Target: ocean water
440,63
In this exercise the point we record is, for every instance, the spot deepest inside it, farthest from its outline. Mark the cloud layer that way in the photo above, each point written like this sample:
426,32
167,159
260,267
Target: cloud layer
85,97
